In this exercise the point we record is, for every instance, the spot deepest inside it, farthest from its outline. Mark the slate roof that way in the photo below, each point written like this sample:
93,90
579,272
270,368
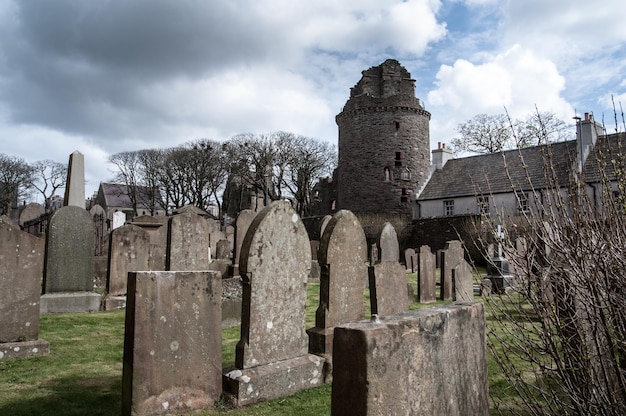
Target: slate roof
609,151
487,173
116,195
484,174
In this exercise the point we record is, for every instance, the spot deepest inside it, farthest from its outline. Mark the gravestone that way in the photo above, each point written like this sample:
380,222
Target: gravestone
314,275
387,278
172,342
486,287
343,252
30,212
410,259
215,236
242,223
432,361
426,276
129,251
315,247
463,282
272,358
119,219
374,254
68,269
451,256
188,242
21,267
75,184
156,226
223,250
325,220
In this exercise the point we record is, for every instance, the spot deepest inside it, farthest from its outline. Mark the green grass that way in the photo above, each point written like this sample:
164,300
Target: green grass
83,373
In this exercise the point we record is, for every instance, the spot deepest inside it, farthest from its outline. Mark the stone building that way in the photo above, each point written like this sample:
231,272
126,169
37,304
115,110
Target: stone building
383,144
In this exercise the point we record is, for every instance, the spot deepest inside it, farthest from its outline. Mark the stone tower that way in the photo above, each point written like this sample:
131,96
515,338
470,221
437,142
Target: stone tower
383,143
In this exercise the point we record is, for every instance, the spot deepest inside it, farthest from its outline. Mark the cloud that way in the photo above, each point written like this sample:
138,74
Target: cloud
517,80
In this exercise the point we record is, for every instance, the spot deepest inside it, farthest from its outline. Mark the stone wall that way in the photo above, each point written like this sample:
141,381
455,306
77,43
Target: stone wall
435,232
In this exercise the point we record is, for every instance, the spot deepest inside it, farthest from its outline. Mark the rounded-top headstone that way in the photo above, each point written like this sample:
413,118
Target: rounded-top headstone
30,212
388,243
275,264
69,251
324,224
342,256
343,237
97,210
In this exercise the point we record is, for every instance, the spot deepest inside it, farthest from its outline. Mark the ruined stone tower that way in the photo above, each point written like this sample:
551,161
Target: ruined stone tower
383,143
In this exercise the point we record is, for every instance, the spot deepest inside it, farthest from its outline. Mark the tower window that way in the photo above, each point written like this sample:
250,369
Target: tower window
398,161
404,197
397,125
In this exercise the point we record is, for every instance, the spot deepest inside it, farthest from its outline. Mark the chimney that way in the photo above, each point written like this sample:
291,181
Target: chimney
441,155
587,132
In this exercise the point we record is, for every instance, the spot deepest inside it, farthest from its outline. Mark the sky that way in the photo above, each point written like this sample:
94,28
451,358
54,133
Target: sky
108,76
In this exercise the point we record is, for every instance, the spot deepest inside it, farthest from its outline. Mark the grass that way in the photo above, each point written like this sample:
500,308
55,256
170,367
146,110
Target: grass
83,373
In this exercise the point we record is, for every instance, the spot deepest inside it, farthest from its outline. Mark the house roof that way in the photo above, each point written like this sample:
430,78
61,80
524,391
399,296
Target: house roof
519,169
610,153
116,195
524,169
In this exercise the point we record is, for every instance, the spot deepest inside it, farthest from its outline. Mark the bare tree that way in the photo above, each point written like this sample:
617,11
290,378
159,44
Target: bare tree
484,134
494,133
128,172
308,160
560,338
194,173
48,177
16,178
150,173
540,128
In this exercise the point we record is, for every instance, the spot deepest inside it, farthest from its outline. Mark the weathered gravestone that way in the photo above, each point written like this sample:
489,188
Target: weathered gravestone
410,259
223,251
426,276
343,252
324,223
30,212
374,254
242,223
69,271
314,275
451,256
21,267
463,282
129,251
387,278
215,236
172,342
432,361
188,242
156,226
272,358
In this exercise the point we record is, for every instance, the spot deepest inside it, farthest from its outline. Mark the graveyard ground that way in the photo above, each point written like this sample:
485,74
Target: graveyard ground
83,373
